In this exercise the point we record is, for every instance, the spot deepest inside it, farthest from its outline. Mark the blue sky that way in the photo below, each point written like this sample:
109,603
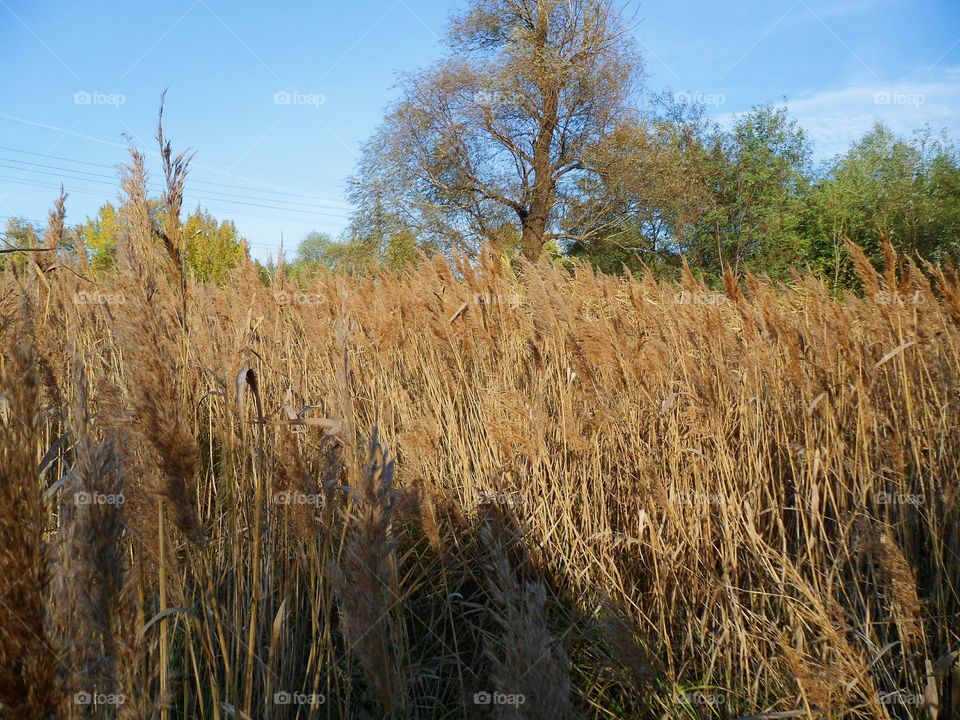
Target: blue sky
277,98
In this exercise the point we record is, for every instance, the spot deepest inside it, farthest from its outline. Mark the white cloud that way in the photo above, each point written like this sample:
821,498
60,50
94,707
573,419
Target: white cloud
836,118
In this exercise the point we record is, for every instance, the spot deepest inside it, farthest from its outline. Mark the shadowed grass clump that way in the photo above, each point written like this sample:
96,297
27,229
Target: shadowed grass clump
30,685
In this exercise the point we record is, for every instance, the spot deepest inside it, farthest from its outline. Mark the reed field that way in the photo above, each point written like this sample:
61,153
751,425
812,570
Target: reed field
466,490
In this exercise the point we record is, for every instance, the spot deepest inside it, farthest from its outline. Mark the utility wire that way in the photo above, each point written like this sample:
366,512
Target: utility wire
289,213
224,214
197,165
280,191
71,174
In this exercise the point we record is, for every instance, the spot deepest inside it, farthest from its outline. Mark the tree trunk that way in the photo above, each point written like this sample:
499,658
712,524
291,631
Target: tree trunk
534,220
531,237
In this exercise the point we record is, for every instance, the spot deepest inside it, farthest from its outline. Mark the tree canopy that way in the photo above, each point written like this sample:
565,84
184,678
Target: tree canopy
213,247
531,134
499,133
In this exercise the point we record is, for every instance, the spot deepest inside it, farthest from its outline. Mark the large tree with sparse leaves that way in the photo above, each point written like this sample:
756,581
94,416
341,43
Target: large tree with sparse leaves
500,132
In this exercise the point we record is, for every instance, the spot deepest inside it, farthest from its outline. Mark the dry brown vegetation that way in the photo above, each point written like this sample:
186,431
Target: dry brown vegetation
616,498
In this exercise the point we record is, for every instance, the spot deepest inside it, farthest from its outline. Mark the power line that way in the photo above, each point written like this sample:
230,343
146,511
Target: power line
68,131
224,213
71,174
286,207
281,191
24,219
302,208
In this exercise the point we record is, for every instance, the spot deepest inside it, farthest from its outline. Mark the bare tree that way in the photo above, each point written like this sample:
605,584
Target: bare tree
499,132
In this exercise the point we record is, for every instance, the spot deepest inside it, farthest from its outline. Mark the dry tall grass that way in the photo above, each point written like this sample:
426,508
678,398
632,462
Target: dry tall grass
456,492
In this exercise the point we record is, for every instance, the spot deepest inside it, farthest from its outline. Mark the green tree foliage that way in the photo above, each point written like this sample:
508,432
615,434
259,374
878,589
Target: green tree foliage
527,136
907,191
213,247
99,236
677,186
652,193
316,250
18,234
378,233
761,176
353,255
